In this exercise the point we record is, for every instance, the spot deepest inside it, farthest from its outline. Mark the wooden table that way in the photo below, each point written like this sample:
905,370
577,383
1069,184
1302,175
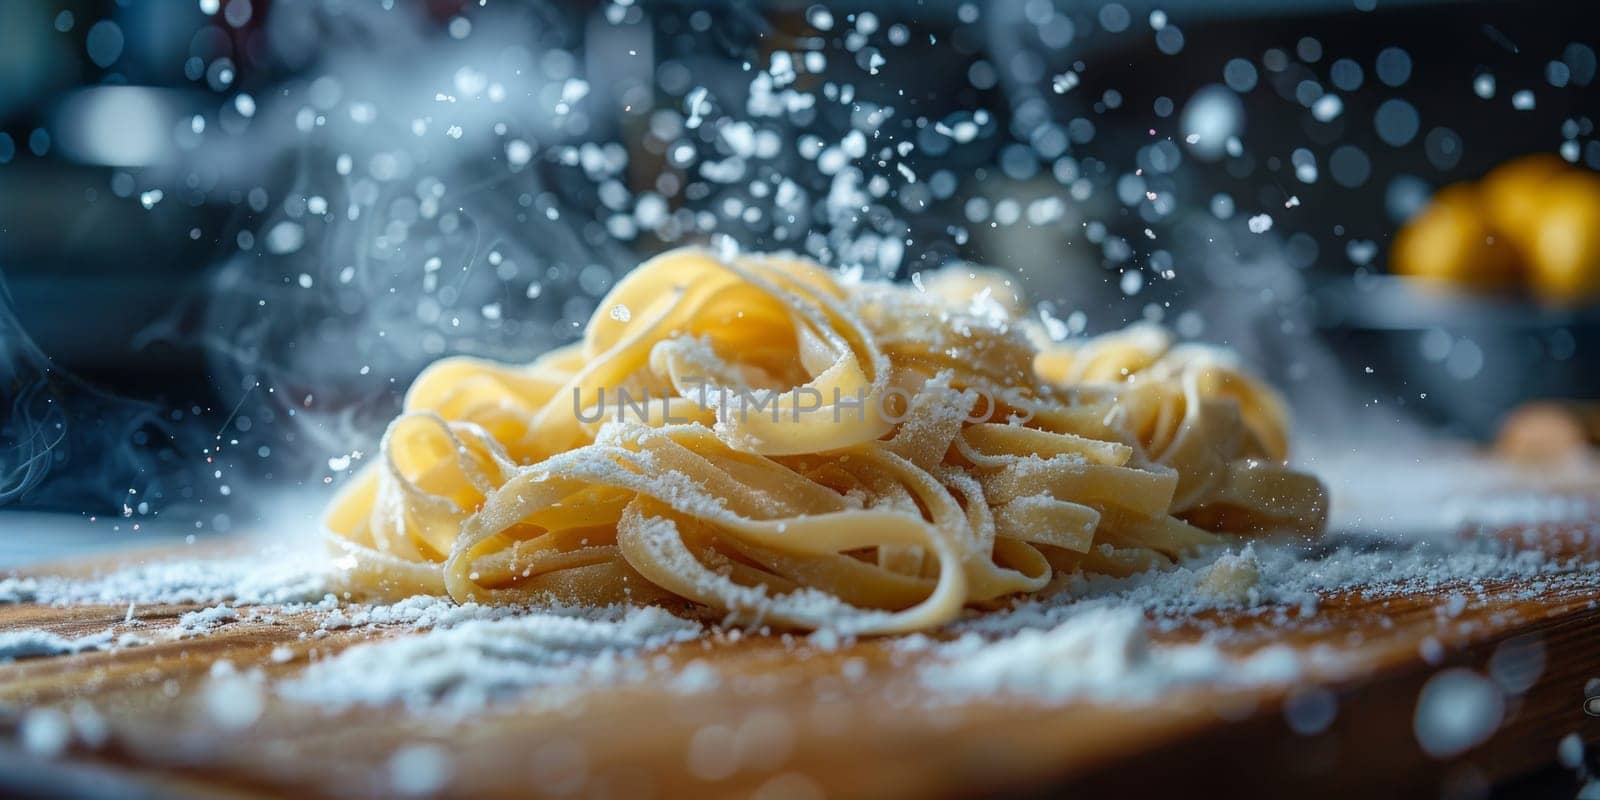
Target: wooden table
805,731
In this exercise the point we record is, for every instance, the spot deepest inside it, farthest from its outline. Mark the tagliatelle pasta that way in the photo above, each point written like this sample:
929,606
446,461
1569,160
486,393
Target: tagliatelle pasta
1194,408
758,437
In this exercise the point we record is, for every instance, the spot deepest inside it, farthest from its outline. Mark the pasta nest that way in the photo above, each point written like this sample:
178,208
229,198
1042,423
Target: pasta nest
761,438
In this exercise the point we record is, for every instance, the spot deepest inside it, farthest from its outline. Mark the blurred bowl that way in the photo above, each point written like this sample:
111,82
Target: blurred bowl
1457,360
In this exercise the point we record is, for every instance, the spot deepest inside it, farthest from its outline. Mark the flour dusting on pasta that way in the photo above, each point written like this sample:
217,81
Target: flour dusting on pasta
762,438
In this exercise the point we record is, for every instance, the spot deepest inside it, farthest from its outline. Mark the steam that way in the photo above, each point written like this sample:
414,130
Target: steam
130,449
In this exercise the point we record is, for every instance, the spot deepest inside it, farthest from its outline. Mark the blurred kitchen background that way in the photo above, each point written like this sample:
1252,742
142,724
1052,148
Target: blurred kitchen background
231,231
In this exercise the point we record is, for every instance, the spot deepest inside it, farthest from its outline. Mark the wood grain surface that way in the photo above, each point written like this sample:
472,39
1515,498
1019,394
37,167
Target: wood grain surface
791,726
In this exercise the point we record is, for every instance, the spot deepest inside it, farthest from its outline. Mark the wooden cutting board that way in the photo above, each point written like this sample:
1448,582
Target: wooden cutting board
780,721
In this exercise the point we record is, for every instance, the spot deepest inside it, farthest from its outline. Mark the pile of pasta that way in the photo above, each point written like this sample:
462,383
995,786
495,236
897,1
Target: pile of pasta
814,452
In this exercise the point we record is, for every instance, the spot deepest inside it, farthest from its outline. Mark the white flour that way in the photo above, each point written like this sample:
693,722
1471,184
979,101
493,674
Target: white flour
33,643
425,611
1104,654
1291,577
270,577
461,668
196,623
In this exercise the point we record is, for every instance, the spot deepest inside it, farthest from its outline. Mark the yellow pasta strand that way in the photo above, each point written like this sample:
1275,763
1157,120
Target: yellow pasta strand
759,438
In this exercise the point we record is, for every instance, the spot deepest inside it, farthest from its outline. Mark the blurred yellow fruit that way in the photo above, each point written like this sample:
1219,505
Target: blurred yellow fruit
1451,242
1513,192
1564,253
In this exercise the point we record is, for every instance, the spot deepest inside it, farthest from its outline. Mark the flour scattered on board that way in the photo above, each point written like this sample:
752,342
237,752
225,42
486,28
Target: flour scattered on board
1094,640
1105,654
461,668
198,622
270,577
34,642
1098,639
